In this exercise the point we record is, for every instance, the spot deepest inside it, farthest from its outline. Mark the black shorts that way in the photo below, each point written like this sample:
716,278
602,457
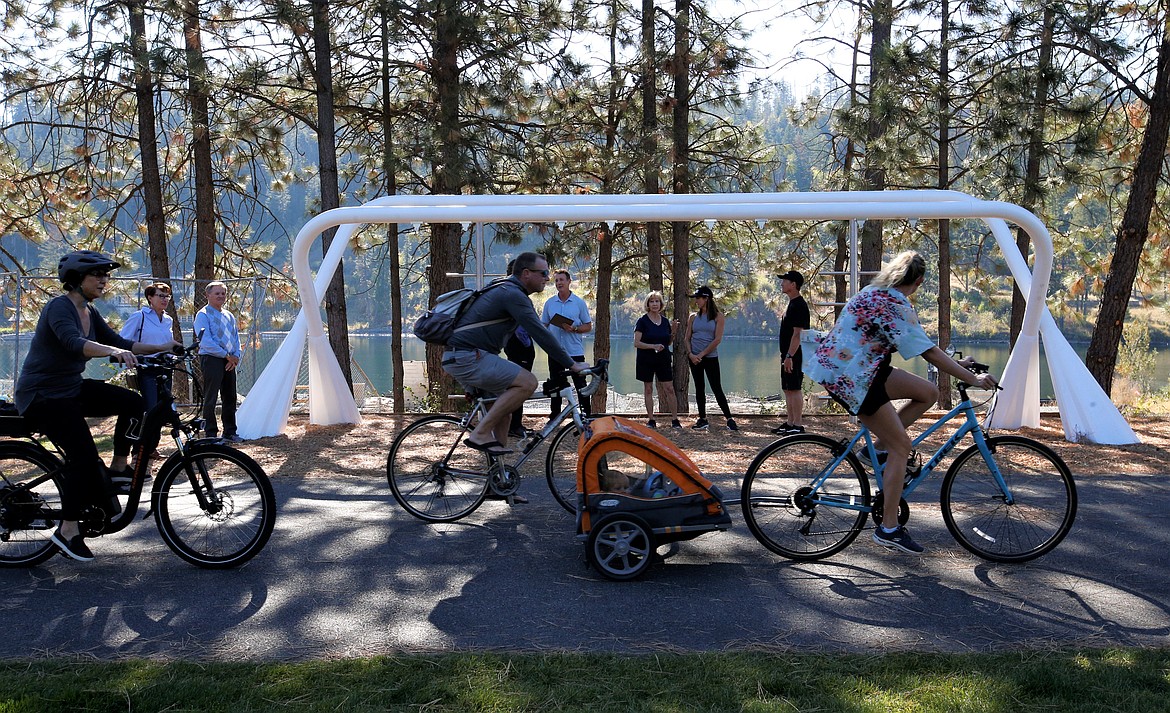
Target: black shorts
654,365
794,380
877,397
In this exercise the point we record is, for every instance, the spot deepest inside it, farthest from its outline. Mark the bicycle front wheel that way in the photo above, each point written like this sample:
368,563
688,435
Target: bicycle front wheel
1042,508
30,505
214,506
796,509
432,474
560,467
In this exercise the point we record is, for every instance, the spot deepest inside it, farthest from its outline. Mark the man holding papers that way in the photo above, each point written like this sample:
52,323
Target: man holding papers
567,317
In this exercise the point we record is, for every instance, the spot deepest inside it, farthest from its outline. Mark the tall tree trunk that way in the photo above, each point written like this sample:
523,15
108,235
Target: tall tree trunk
944,182
602,313
335,311
200,152
449,174
681,184
391,188
1032,191
152,197
650,143
881,29
1135,226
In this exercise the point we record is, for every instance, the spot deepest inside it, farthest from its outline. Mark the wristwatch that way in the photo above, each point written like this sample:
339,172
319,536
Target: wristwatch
787,356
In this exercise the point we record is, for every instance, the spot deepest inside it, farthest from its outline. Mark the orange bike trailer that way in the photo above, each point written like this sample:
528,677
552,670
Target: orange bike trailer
674,502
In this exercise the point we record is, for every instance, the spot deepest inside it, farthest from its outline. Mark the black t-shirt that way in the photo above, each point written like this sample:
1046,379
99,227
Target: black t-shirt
796,316
653,334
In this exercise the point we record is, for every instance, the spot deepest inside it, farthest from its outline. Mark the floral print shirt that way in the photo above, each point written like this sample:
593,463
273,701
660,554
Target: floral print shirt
875,323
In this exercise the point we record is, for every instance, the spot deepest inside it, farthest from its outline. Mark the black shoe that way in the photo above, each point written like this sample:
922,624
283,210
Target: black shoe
789,429
675,424
234,438
731,425
781,429
701,425
74,548
897,540
652,423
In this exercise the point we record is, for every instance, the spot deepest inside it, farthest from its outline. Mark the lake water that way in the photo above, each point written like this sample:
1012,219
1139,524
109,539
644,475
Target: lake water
749,367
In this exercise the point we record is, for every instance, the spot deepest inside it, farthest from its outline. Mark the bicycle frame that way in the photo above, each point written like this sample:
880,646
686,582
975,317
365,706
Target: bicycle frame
572,403
970,425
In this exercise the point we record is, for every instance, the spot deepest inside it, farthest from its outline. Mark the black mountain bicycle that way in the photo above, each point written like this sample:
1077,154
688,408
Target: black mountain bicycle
213,504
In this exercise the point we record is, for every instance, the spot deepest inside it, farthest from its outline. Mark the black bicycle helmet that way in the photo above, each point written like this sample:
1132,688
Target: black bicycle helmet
73,266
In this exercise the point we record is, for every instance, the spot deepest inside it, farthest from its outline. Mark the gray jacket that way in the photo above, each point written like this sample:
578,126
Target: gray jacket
509,302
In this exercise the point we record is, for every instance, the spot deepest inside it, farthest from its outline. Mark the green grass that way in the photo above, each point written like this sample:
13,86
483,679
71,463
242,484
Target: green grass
1095,680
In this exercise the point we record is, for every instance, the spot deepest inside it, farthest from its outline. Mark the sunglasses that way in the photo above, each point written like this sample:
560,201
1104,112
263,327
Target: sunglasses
100,274
542,272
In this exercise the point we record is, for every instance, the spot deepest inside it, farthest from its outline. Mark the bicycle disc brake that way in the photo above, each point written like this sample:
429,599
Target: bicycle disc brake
504,480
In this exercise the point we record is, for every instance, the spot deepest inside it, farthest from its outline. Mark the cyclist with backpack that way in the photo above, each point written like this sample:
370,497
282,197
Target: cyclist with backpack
54,399
472,354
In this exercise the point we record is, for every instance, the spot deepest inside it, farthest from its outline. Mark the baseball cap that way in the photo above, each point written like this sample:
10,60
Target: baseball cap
703,291
794,276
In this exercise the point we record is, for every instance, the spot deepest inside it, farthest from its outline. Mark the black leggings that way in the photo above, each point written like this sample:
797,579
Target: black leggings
709,366
63,421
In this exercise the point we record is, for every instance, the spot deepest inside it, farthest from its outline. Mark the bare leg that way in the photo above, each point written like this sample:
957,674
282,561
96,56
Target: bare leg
648,397
666,400
794,402
494,424
889,430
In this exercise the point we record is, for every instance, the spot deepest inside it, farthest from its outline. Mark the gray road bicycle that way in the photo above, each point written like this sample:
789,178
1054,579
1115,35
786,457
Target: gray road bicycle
435,477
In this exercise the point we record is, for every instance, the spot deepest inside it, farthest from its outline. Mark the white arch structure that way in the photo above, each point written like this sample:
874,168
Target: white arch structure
1087,413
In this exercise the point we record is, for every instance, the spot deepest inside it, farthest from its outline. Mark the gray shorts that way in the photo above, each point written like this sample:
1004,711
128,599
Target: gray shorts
477,369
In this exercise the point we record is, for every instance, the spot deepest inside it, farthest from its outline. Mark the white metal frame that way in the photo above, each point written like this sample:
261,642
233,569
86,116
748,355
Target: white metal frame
1086,411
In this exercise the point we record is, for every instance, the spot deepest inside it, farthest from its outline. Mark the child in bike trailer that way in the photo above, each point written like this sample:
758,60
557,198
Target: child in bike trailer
54,399
853,364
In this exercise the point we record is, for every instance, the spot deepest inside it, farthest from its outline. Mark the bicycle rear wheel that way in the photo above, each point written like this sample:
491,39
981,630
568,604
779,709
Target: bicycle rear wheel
560,467
1043,507
214,507
30,505
432,474
784,512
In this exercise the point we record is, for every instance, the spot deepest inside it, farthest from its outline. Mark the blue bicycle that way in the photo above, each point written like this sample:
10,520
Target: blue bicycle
1005,498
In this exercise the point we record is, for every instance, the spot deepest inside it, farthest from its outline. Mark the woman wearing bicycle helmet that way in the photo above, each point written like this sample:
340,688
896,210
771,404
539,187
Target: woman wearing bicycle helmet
853,364
55,400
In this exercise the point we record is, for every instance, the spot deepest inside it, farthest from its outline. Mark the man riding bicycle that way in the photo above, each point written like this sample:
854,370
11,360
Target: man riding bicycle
54,399
472,354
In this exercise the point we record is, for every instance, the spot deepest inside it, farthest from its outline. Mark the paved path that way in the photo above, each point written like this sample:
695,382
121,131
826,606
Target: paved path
347,573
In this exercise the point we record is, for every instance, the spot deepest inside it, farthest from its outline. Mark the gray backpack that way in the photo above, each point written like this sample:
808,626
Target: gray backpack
441,321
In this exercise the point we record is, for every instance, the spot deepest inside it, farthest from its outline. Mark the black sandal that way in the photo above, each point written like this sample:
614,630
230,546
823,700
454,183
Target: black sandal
495,449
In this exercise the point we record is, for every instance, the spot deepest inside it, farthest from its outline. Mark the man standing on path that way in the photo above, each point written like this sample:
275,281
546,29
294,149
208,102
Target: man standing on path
796,319
567,317
219,355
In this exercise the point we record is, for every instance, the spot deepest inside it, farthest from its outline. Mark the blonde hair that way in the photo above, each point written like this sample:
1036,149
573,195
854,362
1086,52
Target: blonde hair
905,269
655,295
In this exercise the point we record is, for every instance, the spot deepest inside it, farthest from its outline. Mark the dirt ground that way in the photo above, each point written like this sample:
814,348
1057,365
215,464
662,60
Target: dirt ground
360,450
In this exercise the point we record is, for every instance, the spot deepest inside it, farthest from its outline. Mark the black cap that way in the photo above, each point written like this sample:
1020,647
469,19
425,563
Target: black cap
794,276
703,291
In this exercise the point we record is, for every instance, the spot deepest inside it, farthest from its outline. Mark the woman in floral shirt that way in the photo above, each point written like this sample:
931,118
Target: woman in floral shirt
853,364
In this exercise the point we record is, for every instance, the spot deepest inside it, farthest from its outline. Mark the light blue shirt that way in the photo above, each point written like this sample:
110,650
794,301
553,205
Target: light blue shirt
220,338
573,308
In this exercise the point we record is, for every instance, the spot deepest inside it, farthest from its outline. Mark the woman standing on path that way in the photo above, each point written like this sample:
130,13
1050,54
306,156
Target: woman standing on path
704,332
653,334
